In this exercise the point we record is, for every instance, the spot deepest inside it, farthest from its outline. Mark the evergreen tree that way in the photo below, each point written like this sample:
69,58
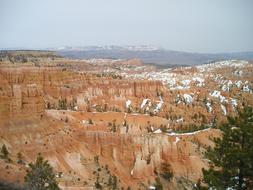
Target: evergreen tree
97,184
232,156
166,171
114,182
20,158
90,122
40,176
4,152
158,185
63,104
110,181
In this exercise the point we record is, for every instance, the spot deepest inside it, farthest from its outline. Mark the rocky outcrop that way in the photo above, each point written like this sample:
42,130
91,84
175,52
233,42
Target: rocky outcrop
108,118
142,155
55,84
20,101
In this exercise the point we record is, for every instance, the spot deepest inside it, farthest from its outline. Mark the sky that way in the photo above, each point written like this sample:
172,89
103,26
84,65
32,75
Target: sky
205,26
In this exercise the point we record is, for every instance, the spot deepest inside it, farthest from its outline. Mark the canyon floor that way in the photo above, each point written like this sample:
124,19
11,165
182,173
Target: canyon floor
99,119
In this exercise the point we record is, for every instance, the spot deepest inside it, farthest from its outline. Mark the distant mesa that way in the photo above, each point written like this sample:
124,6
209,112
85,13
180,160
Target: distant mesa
149,54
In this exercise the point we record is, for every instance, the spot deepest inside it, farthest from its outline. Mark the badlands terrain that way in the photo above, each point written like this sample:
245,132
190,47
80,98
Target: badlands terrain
115,120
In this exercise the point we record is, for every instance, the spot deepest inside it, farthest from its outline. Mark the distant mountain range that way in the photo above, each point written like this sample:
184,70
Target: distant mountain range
109,47
148,54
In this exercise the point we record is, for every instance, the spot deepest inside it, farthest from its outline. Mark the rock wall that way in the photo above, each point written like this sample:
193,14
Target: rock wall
140,156
18,100
26,88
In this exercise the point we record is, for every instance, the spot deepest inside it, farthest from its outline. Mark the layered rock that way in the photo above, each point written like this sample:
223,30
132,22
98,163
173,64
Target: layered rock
20,101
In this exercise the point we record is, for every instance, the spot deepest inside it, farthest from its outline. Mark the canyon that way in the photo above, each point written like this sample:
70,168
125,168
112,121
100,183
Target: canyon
97,118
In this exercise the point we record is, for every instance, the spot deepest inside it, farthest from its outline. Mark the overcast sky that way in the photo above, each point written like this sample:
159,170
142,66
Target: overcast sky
185,25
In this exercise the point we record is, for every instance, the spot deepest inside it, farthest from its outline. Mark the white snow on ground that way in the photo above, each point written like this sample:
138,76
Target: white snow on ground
135,114
223,109
227,87
144,102
217,94
246,88
221,64
165,76
176,81
238,83
186,82
128,103
200,81
184,85
177,139
210,109
234,128
180,120
180,87
230,188
159,105
191,133
234,103
161,99
158,131
238,73
171,82
178,99
188,99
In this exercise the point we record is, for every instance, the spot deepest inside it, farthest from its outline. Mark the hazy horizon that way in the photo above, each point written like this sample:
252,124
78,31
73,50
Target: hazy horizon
201,26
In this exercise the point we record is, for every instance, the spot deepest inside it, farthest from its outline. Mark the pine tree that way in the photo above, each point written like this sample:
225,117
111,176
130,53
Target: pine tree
166,171
4,152
158,184
20,158
110,181
97,184
114,182
232,156
40,176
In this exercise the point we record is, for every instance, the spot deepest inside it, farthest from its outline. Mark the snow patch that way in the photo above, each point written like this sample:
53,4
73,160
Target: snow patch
200,81
128,103
190,133
224,109
158,131
188,99
217,94
234,103
159,105
238,83
177,139
227,87
186,82
144,102
181,120
246,88
210,109
238,73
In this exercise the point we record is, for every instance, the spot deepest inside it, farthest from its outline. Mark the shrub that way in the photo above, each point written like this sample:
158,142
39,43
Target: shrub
4,152
166,171
40,176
